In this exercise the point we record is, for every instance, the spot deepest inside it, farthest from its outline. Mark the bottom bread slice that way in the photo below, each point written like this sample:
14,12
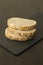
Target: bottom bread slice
12,34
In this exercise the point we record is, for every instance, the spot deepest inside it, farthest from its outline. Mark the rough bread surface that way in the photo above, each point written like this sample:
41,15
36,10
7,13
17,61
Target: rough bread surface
21,23
19,35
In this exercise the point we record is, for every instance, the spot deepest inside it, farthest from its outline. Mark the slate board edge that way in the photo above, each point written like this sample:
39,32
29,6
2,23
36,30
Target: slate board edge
23,50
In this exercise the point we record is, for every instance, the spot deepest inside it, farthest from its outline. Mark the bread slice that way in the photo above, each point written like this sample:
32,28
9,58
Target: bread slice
19,35
21,23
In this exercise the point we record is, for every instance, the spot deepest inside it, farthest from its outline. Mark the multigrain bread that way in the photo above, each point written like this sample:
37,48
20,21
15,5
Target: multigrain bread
21,23
12,34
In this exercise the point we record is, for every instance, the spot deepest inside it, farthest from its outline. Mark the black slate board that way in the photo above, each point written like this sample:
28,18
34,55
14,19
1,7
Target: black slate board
16,47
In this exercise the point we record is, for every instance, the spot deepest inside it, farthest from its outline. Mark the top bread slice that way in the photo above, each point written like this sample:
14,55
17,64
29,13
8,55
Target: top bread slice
21,23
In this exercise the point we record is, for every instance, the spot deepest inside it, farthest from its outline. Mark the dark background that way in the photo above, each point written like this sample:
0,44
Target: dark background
22,8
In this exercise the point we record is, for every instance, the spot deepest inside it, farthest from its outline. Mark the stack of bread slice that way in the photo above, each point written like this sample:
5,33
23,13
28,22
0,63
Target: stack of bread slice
20,29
